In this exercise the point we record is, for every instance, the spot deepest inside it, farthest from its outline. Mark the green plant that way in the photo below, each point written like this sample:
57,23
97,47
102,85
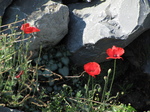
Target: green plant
22,88
18,81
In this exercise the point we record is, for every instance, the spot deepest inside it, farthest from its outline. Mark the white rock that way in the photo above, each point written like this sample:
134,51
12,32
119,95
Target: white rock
97,26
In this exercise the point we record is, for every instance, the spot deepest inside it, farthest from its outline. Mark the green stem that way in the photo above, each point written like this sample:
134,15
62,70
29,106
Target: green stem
36,72
0,20
92,84
103,99
104,90
87,88
114,72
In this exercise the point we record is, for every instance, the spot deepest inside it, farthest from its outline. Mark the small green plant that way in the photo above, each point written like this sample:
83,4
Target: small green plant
17,76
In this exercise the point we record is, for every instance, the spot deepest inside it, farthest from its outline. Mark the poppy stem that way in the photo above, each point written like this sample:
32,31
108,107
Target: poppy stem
36,74
87,86
106,78
112,81
92,83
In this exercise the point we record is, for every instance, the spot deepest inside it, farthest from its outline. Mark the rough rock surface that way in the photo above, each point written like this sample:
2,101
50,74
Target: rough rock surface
3,5
50,17
97,26
53,21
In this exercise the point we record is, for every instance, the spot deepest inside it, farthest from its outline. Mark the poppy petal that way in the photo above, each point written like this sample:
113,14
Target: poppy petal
24,26
92,68
27,29
115,52
34,29
119,51
110,52
20,73
31,30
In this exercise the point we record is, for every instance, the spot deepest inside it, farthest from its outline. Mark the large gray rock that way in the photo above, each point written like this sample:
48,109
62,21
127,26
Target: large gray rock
50,17
3,5
22,9
96,26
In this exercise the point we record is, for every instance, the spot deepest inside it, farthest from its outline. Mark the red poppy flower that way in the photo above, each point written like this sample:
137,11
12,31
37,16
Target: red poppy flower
115,52
28,29
20,73
92,68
